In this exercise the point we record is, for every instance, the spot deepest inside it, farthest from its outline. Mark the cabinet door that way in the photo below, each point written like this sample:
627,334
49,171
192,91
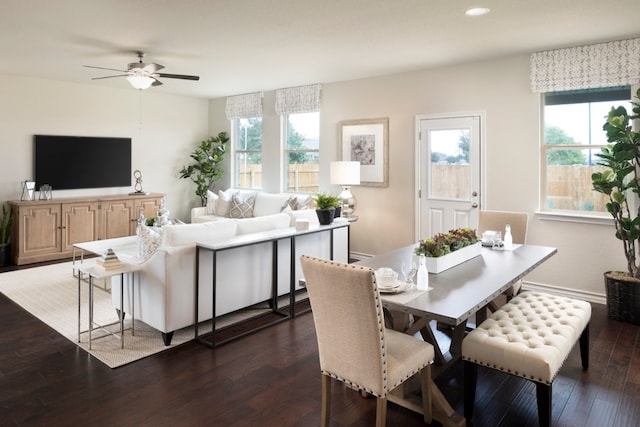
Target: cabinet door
79,223
39,230
117,218
150,208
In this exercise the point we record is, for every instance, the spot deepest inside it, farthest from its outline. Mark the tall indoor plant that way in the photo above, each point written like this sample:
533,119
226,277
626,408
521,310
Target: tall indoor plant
620,181
6,222
207,166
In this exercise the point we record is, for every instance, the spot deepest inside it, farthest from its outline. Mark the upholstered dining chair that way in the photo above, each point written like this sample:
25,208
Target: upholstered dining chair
497,220
353,344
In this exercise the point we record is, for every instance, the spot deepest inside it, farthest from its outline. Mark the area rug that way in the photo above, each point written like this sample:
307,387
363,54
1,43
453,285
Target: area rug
51,294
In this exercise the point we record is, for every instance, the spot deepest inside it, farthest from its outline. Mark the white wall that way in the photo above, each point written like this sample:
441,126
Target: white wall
164,130
499,88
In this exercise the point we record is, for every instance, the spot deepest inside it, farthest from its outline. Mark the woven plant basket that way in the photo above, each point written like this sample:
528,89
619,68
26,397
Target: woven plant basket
623,297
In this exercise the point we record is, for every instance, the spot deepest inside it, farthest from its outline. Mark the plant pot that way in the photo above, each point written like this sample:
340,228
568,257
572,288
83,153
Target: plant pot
5,254
338,212
623,297
439,264
325,216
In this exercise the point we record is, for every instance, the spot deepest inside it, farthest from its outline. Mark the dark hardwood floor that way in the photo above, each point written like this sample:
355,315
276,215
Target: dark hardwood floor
271,378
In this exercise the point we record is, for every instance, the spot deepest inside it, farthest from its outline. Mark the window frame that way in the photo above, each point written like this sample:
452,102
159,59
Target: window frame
235,135
285,151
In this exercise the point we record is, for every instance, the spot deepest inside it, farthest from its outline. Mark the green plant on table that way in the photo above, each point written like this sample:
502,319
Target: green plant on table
444,243
207,168
326,201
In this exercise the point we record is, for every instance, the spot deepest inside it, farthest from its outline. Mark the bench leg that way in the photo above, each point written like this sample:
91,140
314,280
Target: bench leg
470,378
584,347
543,396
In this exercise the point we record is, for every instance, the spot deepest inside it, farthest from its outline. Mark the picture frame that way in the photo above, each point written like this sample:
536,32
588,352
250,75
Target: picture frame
28,191
366,141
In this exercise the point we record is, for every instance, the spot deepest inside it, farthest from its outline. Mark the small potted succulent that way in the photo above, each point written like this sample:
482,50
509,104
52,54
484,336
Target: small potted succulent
445,250
326,205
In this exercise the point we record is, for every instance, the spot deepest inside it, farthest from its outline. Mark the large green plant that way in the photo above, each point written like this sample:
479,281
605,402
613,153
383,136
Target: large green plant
620,180
207,168
5,224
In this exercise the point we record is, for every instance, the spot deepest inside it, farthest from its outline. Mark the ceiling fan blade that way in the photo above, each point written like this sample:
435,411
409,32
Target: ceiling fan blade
103,68
156,82
152,68
178,76
109,77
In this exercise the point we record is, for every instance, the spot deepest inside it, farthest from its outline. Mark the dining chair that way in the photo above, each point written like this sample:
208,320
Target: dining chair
354,346
497,220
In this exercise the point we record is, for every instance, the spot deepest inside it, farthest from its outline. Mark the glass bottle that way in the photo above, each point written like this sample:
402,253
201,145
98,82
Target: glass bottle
423,275
508,239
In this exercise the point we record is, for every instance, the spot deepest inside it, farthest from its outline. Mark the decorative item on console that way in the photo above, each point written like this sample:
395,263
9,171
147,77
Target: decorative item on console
326,205
346,174
45,192
138,186
207,168
28,190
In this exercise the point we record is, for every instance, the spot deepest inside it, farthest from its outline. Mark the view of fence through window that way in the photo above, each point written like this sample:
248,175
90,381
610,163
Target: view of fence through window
449,164
573,135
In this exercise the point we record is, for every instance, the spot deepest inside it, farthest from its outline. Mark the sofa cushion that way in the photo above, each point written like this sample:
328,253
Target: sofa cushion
242,207
269,203
184,234
210,208
223,204
263,223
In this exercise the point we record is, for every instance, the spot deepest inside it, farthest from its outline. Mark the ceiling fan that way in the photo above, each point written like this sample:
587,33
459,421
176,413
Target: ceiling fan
141,75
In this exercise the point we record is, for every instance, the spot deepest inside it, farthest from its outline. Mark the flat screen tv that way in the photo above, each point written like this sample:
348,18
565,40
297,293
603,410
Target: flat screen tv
76,162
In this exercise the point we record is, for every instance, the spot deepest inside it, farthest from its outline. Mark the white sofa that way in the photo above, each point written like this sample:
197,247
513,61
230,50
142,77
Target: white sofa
165,284
218,204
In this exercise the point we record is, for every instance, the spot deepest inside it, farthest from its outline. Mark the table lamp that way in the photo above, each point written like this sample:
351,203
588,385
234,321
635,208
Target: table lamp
346,174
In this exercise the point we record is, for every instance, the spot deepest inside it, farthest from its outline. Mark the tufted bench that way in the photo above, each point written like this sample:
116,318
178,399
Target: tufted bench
529,337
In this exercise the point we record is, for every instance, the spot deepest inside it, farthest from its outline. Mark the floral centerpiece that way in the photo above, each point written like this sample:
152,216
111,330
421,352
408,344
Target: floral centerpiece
445,250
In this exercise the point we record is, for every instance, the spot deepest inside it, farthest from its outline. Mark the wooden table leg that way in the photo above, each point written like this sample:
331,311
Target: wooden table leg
442,411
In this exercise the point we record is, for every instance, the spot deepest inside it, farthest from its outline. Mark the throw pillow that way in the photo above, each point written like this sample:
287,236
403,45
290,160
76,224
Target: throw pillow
149,239
210,208
291,204
308,203
223,204
242,208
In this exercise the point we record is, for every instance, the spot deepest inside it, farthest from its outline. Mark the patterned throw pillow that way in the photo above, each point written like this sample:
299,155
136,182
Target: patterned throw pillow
210,208
307,203
291,204
149,239
242,208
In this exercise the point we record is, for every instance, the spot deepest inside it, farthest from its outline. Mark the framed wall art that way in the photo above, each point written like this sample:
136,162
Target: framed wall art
366,141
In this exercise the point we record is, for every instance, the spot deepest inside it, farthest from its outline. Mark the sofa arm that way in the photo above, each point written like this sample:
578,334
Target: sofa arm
196,212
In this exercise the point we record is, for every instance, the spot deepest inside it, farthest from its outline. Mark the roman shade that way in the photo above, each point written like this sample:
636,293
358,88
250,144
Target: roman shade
299,99
608,64
247,105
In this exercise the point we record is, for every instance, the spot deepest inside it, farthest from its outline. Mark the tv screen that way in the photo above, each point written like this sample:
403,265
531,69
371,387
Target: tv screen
75,162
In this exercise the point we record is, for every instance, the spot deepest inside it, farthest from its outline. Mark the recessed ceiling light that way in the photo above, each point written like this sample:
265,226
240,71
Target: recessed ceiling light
477,11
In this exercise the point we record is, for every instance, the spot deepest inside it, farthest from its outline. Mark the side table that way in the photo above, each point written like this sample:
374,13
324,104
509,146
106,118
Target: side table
95,272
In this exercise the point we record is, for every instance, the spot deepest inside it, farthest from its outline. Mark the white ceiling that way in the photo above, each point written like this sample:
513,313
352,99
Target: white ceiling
241,46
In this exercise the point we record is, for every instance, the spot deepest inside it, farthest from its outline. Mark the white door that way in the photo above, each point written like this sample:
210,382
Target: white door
449,176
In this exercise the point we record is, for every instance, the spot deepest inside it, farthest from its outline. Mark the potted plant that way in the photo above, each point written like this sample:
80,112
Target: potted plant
326,205
207,168
620,181
446,250
6,223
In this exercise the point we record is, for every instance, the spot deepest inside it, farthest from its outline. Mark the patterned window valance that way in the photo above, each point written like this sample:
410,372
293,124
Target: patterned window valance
248,105
599,65
299,99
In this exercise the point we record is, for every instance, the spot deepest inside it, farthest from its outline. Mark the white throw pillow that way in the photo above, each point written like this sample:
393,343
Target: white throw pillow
242,208
269,203
210,208
149,238
223,204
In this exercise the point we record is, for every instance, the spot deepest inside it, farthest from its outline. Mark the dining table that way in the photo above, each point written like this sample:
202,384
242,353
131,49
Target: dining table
453,298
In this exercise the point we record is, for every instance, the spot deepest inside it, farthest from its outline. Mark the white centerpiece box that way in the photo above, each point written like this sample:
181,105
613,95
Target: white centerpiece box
445,262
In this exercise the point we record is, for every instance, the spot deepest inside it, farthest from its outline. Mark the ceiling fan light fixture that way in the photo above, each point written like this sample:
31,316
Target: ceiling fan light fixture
140,82
477,11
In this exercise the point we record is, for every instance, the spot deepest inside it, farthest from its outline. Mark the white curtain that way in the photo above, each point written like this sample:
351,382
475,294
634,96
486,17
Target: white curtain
584,67
299,99
248,105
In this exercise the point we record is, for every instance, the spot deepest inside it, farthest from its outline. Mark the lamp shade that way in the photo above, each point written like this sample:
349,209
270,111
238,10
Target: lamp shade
345,173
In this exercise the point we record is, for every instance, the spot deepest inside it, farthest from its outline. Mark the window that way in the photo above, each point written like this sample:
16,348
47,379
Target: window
247,143
301,152
573,136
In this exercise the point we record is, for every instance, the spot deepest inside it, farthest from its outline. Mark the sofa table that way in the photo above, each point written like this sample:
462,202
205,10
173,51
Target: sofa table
273,237
95,272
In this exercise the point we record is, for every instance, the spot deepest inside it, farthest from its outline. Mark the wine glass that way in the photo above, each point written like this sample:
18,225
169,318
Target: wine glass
408,269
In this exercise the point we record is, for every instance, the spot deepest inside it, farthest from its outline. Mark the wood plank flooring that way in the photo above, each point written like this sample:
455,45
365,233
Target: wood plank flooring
271,378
